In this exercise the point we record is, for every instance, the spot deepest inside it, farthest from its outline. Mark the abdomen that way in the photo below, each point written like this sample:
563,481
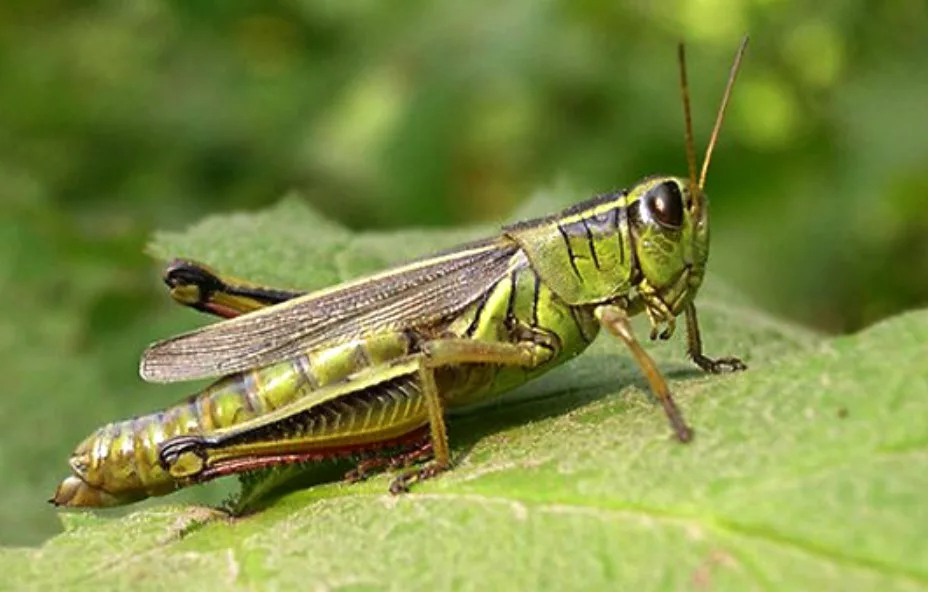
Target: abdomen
119,462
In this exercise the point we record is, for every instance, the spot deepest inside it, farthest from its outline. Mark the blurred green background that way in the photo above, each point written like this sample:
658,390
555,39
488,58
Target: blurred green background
121,117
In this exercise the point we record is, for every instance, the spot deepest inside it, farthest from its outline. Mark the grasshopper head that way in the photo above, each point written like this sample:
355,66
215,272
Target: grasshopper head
669,222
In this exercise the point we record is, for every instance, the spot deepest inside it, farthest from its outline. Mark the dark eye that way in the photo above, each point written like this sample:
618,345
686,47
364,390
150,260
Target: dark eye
665,203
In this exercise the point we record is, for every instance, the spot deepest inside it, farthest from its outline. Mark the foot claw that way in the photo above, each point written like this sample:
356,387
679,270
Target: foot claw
355,476
399,486
720,365
402,482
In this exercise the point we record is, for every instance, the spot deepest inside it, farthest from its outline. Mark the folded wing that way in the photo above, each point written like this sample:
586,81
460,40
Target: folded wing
417,294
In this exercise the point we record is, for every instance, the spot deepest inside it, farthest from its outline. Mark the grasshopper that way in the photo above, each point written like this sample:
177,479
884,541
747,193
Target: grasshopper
374,364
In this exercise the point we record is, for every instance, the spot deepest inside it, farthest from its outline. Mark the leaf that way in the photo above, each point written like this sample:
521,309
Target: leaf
807,471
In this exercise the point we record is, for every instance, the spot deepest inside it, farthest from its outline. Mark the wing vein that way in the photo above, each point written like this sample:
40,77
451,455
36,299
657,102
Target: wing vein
414,295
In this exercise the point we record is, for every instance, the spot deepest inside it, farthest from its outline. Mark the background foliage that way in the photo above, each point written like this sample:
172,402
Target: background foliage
121,117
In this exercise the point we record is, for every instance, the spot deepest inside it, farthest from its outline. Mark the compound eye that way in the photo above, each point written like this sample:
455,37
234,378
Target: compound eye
665,204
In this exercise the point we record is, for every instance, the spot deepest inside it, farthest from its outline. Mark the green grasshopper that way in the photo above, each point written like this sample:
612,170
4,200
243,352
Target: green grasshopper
374,364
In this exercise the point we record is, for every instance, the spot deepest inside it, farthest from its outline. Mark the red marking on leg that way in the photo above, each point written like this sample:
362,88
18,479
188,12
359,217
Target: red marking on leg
420,438
417,451
222,311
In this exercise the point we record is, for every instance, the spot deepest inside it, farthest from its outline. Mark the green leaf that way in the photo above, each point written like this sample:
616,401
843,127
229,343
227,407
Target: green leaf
808,471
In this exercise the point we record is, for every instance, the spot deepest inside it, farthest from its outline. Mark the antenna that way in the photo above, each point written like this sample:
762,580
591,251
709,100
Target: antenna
688,119
721,114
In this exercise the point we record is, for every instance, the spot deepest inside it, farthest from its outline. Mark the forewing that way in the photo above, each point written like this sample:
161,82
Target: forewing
413,295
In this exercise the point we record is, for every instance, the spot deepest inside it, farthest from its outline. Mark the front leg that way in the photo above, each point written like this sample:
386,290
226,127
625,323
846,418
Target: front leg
694,348
615,320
